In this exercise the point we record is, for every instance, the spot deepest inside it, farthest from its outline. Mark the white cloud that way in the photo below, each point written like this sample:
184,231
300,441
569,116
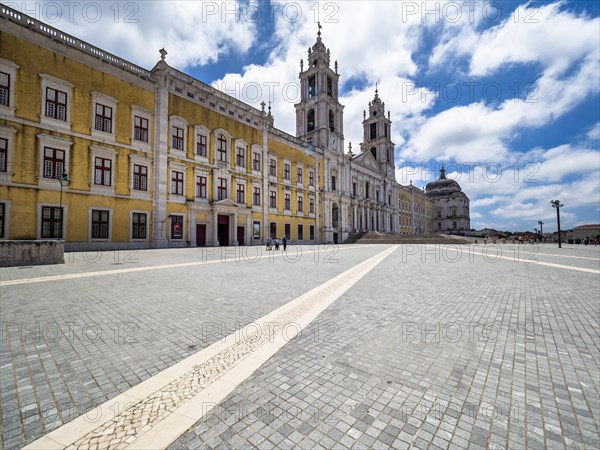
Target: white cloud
194,33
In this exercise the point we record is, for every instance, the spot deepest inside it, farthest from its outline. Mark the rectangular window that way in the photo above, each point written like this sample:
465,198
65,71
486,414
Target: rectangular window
288,231
311,205
201,145
176,227
103,119
54,162
138,226
311,178
256,196
311,232
176,182
256,162
222,189
329,86
4,89
300,175
354,188
140,177
178,138
287,202
366,190
201,187
51,222
273,167
300,204
2,213
241,193
241,157
222,148
3,155
300,232
333,186
140,129
273,199
373,131
100,224
286,171
102,171
56,104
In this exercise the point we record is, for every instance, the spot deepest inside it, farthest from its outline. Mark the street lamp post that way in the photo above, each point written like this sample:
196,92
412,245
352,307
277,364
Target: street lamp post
64,182
557,204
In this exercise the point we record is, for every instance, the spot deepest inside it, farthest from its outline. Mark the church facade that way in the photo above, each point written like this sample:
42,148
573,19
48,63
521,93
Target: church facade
103,153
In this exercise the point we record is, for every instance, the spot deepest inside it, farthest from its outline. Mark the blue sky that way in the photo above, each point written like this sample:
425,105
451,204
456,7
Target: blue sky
506,94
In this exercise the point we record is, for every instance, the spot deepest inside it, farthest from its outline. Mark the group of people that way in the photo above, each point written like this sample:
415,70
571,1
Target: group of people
275,242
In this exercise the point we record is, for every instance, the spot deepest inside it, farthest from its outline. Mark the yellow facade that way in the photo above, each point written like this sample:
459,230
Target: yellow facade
92,142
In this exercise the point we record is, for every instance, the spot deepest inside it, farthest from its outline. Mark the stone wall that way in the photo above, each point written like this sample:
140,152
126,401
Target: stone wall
31,253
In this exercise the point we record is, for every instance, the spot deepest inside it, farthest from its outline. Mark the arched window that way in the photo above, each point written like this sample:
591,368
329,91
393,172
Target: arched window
310,120
374,152
331,121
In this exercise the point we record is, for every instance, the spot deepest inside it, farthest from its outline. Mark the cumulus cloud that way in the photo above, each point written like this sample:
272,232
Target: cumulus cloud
194,33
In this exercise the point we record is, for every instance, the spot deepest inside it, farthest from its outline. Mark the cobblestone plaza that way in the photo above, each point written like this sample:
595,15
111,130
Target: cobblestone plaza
351,346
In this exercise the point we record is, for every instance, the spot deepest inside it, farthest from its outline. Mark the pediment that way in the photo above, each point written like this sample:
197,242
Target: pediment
367,161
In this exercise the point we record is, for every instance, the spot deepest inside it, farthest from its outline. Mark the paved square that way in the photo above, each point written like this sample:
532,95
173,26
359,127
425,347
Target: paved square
434,347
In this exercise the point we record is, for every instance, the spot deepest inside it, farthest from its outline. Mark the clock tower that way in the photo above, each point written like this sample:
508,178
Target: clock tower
377,137
319,114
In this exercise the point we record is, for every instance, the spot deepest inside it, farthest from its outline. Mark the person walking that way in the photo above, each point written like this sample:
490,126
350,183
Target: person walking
268,243
276,243
284,242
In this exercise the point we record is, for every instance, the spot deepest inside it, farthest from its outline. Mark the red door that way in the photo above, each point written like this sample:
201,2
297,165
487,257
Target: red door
200,235
240,235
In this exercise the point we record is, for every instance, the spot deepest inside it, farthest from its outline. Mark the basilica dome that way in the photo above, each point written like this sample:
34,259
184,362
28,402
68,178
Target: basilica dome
442,186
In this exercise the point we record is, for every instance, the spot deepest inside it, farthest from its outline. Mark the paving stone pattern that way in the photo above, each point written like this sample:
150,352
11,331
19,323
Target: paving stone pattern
70,345
430,355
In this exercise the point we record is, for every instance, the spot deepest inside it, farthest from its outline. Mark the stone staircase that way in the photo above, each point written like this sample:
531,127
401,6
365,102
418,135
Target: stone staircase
376,237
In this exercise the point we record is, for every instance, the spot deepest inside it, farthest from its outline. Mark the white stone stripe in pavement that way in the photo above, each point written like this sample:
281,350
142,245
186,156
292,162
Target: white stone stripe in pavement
70,276
515,258
156,412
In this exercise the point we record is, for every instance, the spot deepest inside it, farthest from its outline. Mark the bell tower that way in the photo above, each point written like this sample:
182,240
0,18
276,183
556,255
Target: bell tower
319,114
377,137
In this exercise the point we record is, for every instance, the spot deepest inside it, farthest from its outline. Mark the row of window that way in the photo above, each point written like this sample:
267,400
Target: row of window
56,106
287,231
52,223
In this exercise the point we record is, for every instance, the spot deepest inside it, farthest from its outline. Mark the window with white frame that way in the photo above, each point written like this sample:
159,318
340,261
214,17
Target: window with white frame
222,146
201,145
100,224
54,162
8,79
300,203
178,127
6,144
53,158
221,188
104,115
256,161
287,169
56,101
240,156
311,205
52,222
311,178
256,196
201,186
273,199
176,182
241,193
141,123
139,225
300,175
273,167
287,202
140,177
103,169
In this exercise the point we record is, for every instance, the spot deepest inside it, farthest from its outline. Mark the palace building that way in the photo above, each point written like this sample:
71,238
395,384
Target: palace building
102,153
